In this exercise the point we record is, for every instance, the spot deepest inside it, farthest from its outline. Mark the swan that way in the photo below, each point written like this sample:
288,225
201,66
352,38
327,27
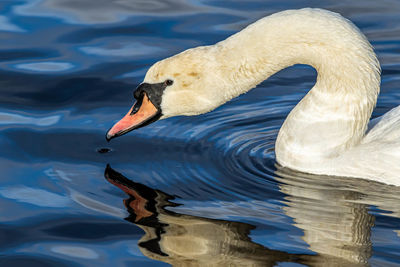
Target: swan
327,132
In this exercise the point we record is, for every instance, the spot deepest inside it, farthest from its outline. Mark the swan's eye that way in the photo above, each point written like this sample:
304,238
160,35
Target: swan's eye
168,82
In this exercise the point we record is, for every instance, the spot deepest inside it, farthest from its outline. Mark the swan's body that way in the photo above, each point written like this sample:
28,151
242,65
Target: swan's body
326,132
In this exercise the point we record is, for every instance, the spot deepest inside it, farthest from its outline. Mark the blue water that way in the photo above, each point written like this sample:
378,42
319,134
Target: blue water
183,191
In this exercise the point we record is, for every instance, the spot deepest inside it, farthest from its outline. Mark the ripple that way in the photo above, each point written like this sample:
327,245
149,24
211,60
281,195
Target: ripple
121,50
49,66
6,25
7,118
104,11
35,196
222,155
75,251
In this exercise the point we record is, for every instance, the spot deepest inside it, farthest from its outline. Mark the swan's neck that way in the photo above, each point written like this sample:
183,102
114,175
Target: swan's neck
334,115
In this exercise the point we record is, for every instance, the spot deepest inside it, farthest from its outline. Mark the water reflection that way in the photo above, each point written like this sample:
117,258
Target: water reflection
45,66
333,213
185,240
104,11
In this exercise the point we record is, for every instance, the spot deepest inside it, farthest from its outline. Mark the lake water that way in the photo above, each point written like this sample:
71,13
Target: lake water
197,191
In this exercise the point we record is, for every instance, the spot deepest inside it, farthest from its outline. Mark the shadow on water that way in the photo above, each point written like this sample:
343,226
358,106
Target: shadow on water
335,220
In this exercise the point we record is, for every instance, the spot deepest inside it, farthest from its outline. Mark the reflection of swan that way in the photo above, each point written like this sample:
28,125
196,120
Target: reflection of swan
326,132
332,213
184,240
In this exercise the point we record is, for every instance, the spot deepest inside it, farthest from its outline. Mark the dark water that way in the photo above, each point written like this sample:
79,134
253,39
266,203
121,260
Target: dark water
185,191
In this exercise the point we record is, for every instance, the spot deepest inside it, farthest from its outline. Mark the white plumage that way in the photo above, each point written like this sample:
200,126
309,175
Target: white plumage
326,132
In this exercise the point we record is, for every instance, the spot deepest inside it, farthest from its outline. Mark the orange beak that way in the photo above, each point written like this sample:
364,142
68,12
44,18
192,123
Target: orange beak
142,113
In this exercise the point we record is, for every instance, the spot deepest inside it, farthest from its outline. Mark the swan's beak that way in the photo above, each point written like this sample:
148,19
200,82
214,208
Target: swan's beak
142,113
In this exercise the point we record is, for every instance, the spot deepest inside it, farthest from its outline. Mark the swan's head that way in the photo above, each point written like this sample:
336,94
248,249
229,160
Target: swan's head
179,85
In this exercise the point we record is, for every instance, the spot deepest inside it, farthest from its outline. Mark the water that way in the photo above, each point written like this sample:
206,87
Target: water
201,190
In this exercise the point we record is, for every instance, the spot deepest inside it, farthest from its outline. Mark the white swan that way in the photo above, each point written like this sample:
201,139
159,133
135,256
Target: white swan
326,133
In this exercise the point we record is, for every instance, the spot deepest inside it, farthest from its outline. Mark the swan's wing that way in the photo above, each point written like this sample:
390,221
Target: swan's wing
377,157
385,128
373,122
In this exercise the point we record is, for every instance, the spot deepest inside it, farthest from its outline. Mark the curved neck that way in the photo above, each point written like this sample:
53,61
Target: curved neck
334,115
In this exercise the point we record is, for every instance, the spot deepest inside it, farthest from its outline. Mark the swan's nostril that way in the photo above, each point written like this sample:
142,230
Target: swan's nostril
138,104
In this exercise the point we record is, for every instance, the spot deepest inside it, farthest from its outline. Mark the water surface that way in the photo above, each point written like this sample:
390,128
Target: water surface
188,190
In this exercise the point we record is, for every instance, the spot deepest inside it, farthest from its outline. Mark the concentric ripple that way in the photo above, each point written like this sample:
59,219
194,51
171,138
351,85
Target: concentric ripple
226,154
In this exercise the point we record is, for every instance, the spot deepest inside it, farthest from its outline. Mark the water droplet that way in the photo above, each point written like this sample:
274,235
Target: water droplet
103,150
